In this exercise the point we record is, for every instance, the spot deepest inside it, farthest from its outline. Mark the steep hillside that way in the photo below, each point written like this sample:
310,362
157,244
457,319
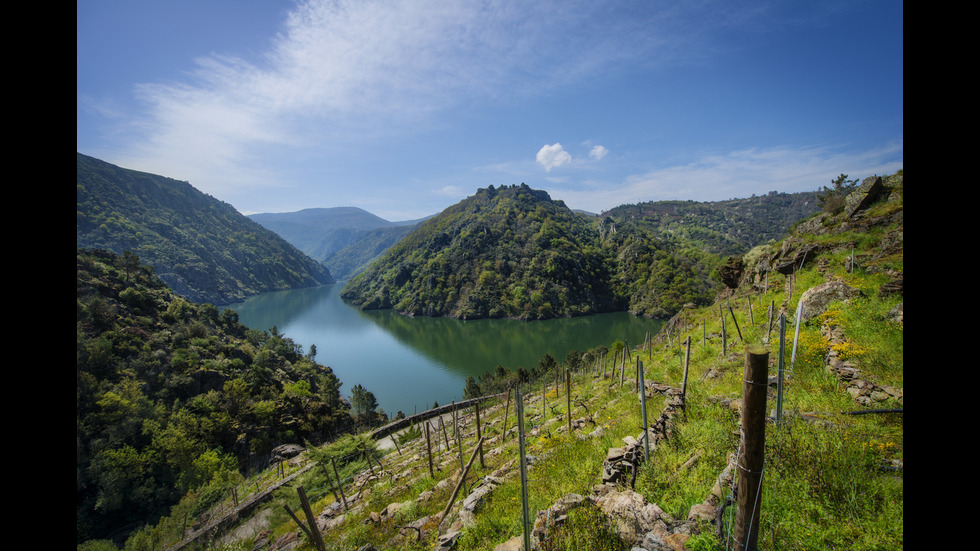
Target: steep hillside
514,252
721,227
172,395
507,252
203,248
344,239
365,249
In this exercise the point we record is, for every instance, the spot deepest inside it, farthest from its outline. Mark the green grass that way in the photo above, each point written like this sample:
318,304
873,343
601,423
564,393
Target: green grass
823,488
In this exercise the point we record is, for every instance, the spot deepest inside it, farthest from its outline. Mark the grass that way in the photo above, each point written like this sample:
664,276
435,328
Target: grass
824,485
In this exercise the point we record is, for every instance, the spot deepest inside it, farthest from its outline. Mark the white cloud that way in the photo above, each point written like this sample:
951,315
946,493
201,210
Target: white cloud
552,156
598,152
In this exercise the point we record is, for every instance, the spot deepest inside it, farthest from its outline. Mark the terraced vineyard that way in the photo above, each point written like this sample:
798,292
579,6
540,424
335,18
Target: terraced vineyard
833,469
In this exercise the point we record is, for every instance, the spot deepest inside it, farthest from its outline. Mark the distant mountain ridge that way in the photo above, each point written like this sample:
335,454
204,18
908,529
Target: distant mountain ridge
344,239
728,227
203,248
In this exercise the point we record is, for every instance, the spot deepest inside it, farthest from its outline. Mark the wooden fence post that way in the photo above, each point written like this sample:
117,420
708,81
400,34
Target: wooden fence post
314,530
340,483
687,365
568,398
525,514
479,435
506,412
643,409
459,484
428,449
732,312
752,457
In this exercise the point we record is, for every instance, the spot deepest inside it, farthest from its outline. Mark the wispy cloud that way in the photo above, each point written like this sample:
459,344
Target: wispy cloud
346,70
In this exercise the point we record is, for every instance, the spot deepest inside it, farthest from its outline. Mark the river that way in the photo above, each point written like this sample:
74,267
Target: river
410,362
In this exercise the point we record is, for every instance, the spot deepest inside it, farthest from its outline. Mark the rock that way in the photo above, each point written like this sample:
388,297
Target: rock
515,543
816,299
702,511
631,513
897,314
864,196
287,451
447,541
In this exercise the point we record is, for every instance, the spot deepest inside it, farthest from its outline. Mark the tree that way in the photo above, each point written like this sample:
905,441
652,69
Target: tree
472,389
832,198
363,403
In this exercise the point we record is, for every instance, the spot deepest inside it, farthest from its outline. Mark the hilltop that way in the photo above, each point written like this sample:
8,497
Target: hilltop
515,252
203,248
507,252
833,471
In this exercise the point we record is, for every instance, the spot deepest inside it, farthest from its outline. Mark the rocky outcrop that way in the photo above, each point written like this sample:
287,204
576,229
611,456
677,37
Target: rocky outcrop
870,190
816,299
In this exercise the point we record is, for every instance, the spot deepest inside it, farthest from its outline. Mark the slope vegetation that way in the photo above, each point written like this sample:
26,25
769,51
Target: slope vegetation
833,461
173,395
203,248
514,252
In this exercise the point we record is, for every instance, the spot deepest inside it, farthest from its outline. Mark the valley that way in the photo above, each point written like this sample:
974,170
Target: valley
171,387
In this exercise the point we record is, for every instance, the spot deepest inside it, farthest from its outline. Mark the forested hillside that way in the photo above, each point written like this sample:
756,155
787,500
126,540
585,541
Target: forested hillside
724,228
203,248
514,252
173,396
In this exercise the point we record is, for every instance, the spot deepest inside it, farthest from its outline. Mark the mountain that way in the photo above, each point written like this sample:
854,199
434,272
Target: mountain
202,247
344,239
515,252
507,252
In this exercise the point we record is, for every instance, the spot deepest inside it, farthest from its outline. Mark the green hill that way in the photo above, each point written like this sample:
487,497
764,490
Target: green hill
514,252
724,228
172,395
507,252
203,248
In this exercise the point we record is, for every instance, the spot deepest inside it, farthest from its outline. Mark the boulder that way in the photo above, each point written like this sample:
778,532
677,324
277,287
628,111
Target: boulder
864,196
816,299
287,450
633,516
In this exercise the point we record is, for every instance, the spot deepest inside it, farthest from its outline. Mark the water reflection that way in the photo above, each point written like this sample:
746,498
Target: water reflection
410,362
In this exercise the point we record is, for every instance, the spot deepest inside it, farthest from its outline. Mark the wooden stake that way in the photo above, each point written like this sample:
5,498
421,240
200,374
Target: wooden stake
525,514
687,365
428,449
506,408
732,312
643,410
752,458
568,398
340,483
314,530
479,436
459,484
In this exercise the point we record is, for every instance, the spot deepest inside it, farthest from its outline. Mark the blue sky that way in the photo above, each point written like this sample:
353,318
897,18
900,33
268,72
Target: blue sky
403,108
